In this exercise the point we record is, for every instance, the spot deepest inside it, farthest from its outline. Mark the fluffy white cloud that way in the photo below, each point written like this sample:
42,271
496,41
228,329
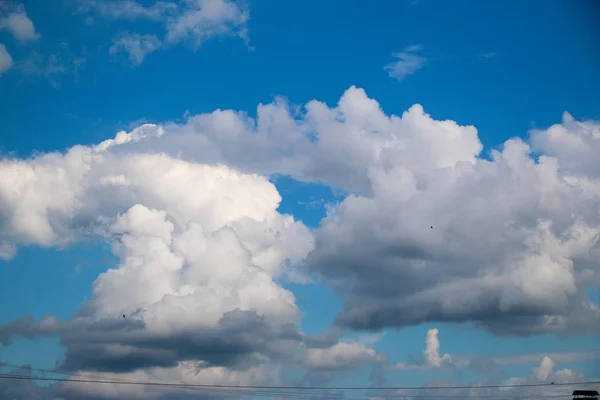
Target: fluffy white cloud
542,371
342,355
407,63
430,231
485,364
136,46
531,237
49,199
188,372
574,144
14,19
432,349
444,235
349,146
199,247
431,356
6,61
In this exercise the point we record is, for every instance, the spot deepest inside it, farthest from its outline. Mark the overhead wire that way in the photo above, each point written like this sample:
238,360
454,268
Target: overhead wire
302,388
296,392
299,392
59,372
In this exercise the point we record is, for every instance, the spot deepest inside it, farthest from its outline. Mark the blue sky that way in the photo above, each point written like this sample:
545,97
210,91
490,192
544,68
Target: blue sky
505,67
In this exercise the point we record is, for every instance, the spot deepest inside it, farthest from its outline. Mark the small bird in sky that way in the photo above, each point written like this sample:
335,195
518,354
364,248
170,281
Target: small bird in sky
432,227
123,316
552,383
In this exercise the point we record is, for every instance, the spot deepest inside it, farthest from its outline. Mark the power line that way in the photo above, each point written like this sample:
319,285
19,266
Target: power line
303,388
56,372
280,393
90,376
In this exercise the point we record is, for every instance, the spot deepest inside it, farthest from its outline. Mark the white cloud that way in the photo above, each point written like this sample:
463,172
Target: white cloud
15,20
407,63
342,355
353,141
432,349
136,46
193,220
432,359
431,356
199,249
187,372
542,373
191,22
574,144
528,225
544,370
531,226
204,19
6,61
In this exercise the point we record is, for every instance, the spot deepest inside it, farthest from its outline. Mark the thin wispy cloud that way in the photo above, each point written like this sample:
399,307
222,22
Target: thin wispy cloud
136,46
128,9
484,56
407,63
190,23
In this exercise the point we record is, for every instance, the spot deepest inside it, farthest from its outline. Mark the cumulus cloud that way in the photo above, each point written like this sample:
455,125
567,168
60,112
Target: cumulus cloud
200,246
186,373
432,349
542,373
574,144
189,212
431,356
406,64
531,238
136,46
342,355
14,19
199,249
445,235
6,61
429,231
344,146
